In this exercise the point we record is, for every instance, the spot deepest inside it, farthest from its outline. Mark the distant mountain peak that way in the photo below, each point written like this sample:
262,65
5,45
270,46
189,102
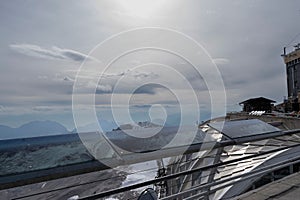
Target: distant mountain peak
138,125
33,129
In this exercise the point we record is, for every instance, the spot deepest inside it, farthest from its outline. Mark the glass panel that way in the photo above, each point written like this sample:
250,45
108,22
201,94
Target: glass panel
30,154
140,140
244,128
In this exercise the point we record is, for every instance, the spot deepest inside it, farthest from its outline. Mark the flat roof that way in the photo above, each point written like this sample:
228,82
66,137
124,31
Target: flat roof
285,188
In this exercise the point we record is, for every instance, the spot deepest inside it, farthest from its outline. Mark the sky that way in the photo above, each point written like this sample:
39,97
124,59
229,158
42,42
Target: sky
45,43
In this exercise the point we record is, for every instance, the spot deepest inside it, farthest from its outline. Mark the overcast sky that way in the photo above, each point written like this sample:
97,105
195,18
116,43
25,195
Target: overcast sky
43,44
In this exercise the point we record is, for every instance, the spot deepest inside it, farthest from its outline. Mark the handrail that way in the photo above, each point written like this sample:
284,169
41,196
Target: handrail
15,180
172,176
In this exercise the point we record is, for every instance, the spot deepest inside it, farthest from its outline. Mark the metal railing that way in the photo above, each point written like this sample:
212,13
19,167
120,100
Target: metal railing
201,189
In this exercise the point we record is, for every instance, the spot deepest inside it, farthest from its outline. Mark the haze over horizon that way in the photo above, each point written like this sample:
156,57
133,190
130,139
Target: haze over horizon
44,44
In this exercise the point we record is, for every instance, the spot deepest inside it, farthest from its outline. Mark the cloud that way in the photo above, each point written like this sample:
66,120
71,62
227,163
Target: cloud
132,73
2,109
53,53
104,89
148,89
42,77
221,61
42,108
147,106
143,75
145,89
67,78
71,54
141,106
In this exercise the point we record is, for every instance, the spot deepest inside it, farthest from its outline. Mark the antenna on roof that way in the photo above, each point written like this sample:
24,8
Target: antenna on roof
284,51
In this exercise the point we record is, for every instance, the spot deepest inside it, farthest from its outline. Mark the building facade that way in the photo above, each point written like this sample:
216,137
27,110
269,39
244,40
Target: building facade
292,62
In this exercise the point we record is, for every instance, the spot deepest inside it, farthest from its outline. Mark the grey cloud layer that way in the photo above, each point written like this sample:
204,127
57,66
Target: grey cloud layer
245,38
53,53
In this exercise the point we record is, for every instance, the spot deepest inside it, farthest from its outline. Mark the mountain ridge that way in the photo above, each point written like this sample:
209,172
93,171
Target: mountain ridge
33,129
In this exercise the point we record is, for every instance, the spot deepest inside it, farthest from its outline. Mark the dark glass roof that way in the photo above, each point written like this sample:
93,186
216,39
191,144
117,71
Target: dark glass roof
259,99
